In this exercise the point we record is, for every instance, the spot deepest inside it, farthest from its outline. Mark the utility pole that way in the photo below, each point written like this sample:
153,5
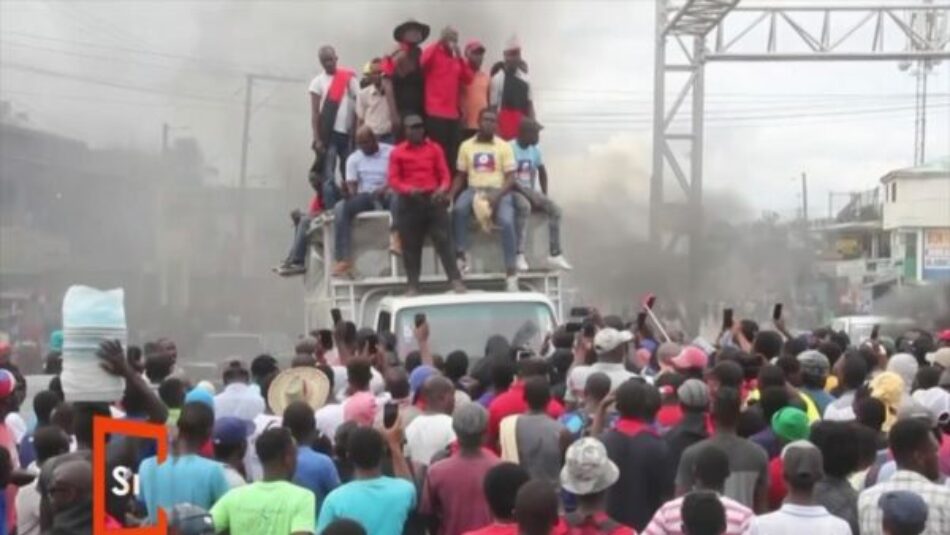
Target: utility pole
805,199
245,143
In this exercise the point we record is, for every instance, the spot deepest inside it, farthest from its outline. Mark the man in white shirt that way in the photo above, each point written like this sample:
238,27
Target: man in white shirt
367,173
803,466
611,347
372,110
49,441
238,399
332,118
914,448
431,432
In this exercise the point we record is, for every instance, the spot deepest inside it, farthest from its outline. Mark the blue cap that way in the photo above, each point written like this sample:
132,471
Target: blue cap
904,509
418,378
201,396
230,430
56,341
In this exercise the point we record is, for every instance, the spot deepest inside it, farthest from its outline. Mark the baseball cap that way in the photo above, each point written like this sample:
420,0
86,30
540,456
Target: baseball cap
813,362
609,339
190,519
802,463
418,378
474,44
791,423
200,395
587,469
690,357
360,408
693,393
231,430
470,419
944,335
7,383
936,400
412,120
940,357
904,509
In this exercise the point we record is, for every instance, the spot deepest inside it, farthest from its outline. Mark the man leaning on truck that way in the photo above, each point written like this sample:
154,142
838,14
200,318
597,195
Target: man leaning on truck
419,175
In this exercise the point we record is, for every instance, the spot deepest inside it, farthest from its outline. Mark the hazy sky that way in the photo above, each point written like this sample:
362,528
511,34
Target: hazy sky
112,72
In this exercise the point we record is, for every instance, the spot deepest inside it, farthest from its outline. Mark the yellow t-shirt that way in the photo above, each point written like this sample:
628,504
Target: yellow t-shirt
486,163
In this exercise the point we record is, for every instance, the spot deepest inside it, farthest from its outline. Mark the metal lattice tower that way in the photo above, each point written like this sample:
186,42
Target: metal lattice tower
824,32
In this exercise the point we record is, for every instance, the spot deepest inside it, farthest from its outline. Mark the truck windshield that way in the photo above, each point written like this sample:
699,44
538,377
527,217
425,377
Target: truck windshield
467,326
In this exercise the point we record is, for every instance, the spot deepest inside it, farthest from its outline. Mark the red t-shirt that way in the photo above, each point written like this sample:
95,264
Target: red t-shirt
590,525
669,415
777,488
444,75
512,402
495,529
418,167
453,492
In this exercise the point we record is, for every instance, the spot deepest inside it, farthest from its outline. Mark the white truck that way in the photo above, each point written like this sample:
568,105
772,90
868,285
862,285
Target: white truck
374,298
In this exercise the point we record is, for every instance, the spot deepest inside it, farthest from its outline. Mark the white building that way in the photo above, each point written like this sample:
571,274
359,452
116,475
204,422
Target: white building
917,216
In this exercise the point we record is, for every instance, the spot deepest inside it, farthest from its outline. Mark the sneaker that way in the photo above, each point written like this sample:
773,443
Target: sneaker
395,244
342,268
521,263
511,283
462,263
459,287
559,262
292,269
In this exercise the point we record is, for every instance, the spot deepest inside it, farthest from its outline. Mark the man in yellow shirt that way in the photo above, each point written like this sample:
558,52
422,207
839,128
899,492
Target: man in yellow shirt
486,163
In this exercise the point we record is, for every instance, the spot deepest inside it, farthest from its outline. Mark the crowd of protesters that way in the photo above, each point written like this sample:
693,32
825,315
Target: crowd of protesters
437,141
605,431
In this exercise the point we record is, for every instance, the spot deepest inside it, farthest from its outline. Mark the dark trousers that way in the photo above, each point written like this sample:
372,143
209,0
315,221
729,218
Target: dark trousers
445,132
419,216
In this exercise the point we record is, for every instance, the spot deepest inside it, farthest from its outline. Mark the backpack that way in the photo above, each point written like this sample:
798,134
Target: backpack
578,524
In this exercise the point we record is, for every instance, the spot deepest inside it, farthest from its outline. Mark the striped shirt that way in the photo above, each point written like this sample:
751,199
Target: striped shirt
667,520
794,519
936,496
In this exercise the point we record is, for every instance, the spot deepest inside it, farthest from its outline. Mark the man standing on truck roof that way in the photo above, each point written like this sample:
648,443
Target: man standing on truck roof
367,172
531,193
332,110
487,164
445,72
419,176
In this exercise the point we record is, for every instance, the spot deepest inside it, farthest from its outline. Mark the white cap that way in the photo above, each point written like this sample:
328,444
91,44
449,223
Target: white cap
609,339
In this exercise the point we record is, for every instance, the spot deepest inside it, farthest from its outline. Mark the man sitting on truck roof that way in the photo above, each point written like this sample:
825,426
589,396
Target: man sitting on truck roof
367,171
487,164
531,193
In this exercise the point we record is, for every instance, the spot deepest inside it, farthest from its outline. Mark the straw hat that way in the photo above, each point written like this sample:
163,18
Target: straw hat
305,384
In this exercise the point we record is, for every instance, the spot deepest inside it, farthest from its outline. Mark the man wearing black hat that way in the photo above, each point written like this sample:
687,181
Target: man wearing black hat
404,84
420,177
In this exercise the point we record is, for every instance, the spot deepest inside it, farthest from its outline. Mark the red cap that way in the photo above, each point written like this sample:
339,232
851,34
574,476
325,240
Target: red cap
690,357
473,44
944,335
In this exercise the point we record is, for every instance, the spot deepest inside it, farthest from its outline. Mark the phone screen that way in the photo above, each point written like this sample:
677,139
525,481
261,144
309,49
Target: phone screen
390,412
727,320
777,312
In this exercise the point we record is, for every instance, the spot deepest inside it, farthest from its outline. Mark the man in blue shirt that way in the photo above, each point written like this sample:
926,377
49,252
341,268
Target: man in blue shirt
531,193
185,476
367,173
315,471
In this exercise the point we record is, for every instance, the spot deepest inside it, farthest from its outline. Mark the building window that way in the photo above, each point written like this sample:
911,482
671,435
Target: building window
893,191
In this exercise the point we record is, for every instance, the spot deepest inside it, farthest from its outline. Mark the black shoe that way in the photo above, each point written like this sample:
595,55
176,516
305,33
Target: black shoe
292,269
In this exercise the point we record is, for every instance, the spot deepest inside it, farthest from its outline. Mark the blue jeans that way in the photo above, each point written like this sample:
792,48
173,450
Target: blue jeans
504,217
525,201
347,209
338,149
298,251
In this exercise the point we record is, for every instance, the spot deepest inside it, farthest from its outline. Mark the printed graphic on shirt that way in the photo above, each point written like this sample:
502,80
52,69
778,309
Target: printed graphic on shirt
525,174
484,162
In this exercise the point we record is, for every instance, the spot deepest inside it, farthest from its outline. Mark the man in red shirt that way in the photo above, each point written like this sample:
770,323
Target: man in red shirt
445,72
420,177
513,402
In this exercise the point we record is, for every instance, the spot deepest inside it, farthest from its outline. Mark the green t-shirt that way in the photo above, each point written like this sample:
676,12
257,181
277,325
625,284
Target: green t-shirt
265,508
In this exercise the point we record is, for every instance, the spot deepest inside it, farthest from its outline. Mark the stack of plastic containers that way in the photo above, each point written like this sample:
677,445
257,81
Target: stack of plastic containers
89,317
